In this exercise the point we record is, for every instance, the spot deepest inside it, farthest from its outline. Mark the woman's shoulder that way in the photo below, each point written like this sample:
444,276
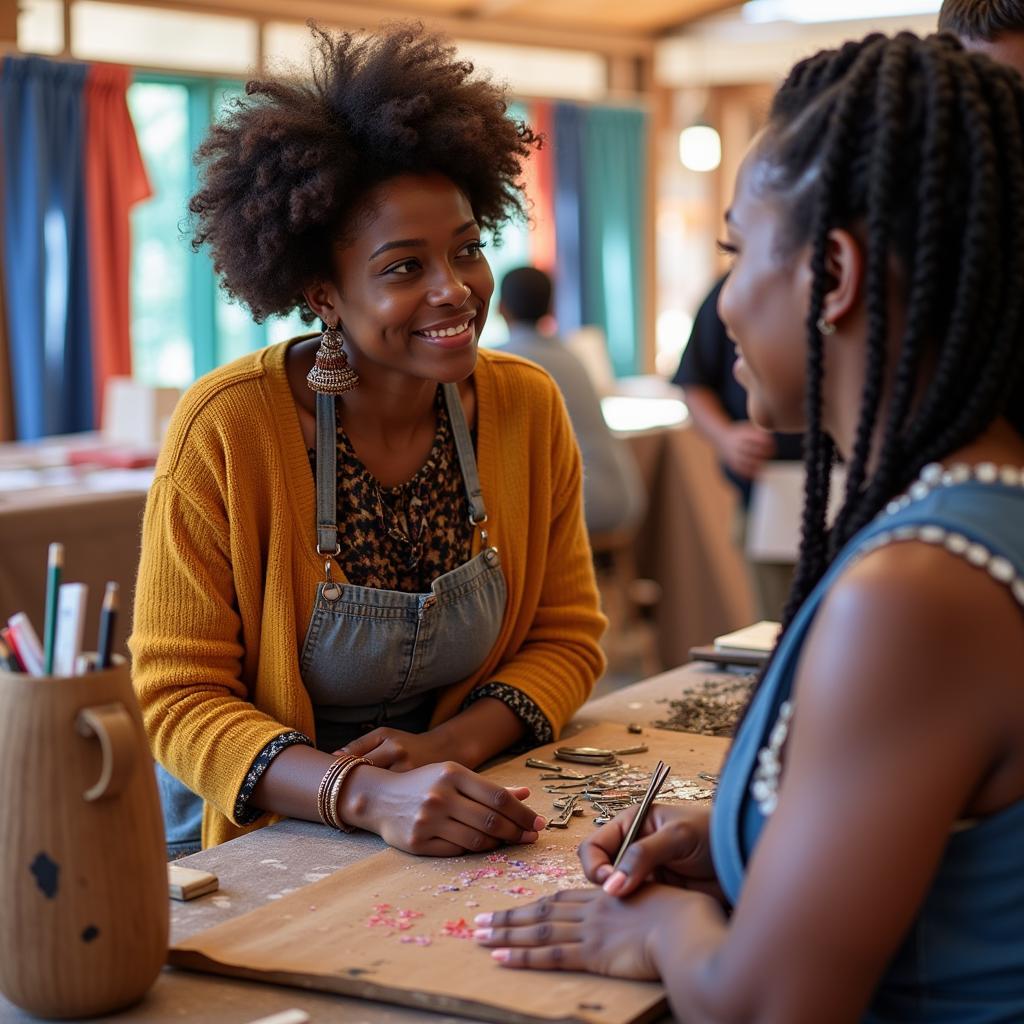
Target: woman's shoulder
229,403
918,620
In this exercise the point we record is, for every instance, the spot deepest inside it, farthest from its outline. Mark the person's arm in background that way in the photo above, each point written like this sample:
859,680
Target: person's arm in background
704,374
741,445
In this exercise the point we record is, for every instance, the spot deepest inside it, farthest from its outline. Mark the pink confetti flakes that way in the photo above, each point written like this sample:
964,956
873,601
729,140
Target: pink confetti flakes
418,940
457,929
519,890
385,916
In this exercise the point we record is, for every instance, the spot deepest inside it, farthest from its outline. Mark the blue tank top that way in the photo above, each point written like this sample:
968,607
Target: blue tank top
963,961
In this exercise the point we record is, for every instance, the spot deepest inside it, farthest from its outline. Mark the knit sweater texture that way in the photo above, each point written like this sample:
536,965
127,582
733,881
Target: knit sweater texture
229,569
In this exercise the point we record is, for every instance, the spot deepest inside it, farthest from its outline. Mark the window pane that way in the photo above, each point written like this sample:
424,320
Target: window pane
513,251
161,347
236,333
162,38
41,26
283,328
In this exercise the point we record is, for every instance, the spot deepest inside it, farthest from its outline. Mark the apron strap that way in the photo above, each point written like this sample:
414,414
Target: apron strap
467,459
327,468
326,477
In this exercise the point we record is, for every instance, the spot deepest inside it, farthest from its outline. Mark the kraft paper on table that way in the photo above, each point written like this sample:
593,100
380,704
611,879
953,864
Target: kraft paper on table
396,928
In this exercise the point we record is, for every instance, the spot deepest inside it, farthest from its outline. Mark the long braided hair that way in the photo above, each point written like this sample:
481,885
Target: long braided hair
922,145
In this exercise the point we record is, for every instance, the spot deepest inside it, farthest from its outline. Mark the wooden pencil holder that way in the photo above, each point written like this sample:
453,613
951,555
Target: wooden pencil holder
83,872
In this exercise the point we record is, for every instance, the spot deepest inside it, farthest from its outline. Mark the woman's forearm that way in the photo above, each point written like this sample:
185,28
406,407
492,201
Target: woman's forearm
483,730
290,784
685,948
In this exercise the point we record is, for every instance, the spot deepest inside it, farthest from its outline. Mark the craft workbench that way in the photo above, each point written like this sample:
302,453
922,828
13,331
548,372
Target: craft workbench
256,867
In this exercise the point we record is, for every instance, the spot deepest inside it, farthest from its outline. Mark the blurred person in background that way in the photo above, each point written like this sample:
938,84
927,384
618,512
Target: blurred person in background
718,405
992,27
614,497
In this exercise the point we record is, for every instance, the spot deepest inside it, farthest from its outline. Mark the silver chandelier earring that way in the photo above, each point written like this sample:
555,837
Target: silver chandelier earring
825,328
331,374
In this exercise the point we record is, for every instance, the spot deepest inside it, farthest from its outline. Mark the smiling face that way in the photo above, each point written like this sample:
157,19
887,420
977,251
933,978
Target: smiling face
764,304
411,285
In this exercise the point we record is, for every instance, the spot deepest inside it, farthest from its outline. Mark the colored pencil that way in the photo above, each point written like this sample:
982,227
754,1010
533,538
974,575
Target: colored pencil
108,617
54,568
8,660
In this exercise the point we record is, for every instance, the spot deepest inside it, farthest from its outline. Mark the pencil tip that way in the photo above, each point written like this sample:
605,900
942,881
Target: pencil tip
56,555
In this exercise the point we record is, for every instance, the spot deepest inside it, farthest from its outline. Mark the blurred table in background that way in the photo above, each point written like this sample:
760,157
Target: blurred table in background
683,544
685,541
94,510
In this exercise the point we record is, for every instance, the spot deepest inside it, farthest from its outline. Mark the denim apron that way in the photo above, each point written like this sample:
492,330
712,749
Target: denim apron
377,657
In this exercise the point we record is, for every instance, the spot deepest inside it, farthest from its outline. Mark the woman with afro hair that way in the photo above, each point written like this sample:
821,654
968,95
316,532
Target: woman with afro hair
364,566
862,861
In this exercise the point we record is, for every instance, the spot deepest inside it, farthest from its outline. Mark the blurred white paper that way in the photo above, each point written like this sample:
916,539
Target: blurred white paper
776,507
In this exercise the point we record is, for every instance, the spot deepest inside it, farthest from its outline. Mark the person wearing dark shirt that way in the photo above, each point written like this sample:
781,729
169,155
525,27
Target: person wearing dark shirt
718,405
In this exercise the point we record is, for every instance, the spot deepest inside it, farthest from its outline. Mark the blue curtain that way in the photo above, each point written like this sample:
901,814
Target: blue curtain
45,265
601,183
615,151
570,183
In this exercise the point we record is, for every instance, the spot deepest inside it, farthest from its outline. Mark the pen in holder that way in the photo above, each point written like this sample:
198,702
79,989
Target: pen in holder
83,874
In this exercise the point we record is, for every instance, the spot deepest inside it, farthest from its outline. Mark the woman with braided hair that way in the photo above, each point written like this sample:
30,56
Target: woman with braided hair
863,857
365,569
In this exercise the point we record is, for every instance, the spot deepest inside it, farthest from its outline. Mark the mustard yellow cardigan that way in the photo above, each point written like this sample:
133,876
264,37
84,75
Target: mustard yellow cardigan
229,569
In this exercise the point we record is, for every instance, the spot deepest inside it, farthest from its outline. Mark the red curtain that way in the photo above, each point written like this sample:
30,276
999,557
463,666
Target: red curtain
115,180
539,179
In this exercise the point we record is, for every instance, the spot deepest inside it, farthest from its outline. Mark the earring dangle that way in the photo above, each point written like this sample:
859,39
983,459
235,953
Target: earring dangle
331,374
825,327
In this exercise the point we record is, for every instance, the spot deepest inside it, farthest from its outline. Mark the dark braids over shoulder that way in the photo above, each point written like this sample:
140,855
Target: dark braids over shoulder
286,168
920,145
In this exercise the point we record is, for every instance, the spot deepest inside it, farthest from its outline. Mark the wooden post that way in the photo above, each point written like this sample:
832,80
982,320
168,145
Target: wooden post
8,24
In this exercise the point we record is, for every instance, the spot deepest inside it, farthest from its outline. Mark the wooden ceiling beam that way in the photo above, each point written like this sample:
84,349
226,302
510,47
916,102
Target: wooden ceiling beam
468,26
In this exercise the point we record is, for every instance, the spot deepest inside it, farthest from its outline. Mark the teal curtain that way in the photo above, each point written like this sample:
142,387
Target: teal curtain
614,172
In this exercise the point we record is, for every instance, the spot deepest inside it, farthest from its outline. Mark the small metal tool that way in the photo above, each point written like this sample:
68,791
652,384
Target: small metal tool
562,819
596,755
536,762
657,781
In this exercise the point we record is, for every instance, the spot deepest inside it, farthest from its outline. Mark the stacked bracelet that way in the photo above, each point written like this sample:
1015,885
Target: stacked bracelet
330,790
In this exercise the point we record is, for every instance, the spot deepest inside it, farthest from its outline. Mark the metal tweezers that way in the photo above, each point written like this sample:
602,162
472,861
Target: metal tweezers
657,781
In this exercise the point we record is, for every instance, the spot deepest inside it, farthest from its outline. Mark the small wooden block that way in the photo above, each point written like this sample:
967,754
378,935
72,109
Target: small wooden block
284,1017
187,883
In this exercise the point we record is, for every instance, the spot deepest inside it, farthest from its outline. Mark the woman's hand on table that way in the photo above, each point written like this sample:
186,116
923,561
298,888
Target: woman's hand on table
400,751
471,737
439,810
587,930
673,847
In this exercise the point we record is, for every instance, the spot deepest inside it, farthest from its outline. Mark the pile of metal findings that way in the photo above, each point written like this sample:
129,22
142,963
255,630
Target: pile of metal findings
611,789
712,708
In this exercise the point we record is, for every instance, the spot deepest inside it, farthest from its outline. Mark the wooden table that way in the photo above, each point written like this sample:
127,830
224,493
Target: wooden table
290,854
96,514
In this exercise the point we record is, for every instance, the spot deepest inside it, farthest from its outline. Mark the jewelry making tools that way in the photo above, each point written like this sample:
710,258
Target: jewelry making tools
596,755
657,781
566,811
